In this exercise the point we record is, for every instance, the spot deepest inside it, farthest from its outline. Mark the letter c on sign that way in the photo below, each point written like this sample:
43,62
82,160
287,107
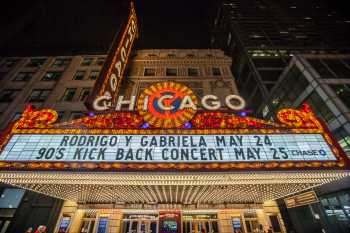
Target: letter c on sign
161,105
101,103
239,106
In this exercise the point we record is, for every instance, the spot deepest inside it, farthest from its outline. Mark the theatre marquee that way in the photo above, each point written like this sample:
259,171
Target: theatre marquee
209,141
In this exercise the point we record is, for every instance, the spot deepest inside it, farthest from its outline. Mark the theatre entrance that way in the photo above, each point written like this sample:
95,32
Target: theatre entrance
134,223
200,223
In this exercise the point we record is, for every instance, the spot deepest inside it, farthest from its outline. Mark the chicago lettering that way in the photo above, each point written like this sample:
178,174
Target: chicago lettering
208,102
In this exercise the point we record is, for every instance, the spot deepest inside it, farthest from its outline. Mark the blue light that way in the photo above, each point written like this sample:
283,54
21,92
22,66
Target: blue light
91,114
188,125
243,114
145,126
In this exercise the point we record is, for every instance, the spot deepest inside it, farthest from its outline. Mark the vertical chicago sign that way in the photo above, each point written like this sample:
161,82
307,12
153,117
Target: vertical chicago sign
106,87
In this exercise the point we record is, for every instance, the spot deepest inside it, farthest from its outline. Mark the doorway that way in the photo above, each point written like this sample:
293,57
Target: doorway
140,224
200,224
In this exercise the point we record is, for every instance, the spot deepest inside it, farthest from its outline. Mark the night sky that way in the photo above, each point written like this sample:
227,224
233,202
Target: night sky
88,26
41,27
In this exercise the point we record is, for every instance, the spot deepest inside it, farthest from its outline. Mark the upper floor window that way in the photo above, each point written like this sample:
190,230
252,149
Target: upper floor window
39,95
94,74
171,55
79,75
9,63
2,75
17,116
23,76
87,61
171,72
150,72
61,62
85,92
69,94
190,55
36,62
193,72
8,95
100,61
216,71
60,116
152,55
52,76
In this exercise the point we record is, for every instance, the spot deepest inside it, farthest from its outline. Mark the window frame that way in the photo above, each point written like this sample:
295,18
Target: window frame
83,62
54,75
79,71
98,74
13,95
61,62
89,89
40,98
193,68
15,79
149,68
219,69
170,68
65,94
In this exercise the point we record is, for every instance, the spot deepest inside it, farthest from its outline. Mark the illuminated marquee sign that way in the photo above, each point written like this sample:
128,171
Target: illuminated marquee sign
168,148
209,141
106,87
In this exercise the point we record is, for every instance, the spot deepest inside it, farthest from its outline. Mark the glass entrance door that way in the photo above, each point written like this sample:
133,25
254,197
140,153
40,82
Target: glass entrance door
87,226
200,226
140,225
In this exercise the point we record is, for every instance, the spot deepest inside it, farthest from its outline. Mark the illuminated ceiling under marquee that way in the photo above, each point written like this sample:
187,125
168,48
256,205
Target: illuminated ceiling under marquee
202,189
210,184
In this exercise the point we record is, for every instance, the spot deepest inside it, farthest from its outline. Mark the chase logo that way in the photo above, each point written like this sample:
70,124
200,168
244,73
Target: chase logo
167,105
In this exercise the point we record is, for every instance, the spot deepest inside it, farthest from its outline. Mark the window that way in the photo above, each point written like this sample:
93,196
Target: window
2,75
16,116
85,92
60,116
193,72
216,71
36,62
343,93
94,74
39,95
69,94
8,95
100,61
52,76
76,115
87,61
11,197
79,75
190,55
150,72
23,76
171,55
9,63
171,72
61,62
